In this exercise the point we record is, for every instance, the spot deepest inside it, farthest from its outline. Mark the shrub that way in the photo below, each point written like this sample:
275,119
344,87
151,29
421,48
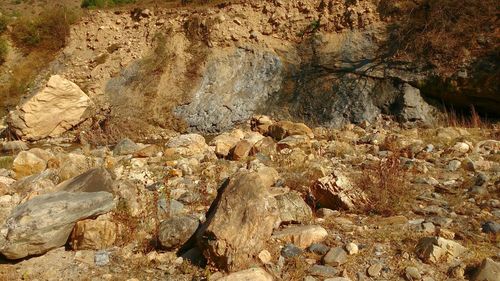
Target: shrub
104,3
4,22
4,50
444,32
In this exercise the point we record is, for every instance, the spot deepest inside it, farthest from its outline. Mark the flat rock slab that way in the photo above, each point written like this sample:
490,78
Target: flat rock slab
46,221
302,236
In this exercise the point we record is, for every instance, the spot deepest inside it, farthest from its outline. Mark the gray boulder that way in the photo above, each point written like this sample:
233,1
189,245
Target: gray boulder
93,180
177,230
293,208
45,222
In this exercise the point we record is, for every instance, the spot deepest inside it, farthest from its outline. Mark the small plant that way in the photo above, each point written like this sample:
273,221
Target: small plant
4,22
4,50
104,3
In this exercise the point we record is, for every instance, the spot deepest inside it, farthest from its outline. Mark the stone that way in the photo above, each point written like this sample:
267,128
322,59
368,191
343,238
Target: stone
290,251
36,184
240,221
374,270
93,180
435,249
27,163
489,270
46,221
293,208
93,235
224,143
266,146
412,107
52,111
190,145
326,213
283,129
294,141
148,151
461,147
335,257
302,236
337,192
265,257
412,273
101,258
125,147
352,248
254,274
490,227
323,271
453,165
241,150
13,146
338,279
261,124
177,230
319,249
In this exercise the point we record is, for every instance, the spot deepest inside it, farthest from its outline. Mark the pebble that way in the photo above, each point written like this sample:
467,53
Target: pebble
335,257
490,227
374,270
323,271
319,249
290,251
352,248
101,258
412,273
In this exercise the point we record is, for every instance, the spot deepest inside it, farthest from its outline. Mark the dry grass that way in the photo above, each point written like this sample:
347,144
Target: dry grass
444,32
472,120
387,186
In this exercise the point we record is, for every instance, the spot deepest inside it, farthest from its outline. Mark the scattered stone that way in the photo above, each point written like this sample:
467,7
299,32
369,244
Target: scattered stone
148,151
290,251
319,249
489,270
46,221
326,213
295,141
283,129
125,147
435,249
176,231
224,144
453,165
241,150
458,271
490,227
13,146
265,257
293,208
190,145
52,111
240,221
101,258
335,257
374,270
323,271
412,273
337,192
352,248
302,236
93,180
93,235
27,163
254,274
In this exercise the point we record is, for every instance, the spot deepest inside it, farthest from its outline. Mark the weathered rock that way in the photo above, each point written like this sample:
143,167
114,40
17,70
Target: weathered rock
241,150
294,141
176,231
239,222
302,236
324,271
335,257
34,185
190,145
27,163
290,251
490,227
148,151
489,270
93,235
412,273
45,222
337,192
124,147
261,123
224,143
352,248
283,129
254,274
435,249
293,208
374,270
93,180
52,111
266,146
319,249
413,107
13,146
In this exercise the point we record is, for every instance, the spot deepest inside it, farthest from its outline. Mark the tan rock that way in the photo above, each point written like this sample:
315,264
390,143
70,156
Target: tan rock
337,192
93,235
283,129
240,222
241,150
224,143
266,146
302,236
294,141
253,274
436,249
489,270
27,163
52,111
190,145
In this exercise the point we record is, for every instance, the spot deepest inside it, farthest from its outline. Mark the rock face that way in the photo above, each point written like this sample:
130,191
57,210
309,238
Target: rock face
337,192
232,88
56,108
46,221
240,221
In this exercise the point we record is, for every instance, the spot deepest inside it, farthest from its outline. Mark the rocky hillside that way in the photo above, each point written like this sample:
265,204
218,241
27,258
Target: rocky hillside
249,140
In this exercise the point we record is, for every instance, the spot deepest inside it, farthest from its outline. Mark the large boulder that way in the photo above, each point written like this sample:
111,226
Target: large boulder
93,180
46,221
336,192
28,163
177,230
240,221
53,110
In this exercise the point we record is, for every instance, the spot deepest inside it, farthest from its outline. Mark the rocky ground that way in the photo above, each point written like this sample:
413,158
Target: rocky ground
266,201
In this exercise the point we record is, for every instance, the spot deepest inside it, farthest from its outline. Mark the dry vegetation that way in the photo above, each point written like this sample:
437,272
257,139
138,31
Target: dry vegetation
445,32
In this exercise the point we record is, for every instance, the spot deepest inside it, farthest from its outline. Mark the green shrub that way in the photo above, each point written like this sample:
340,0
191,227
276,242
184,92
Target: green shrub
104,3
4,50
4,21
